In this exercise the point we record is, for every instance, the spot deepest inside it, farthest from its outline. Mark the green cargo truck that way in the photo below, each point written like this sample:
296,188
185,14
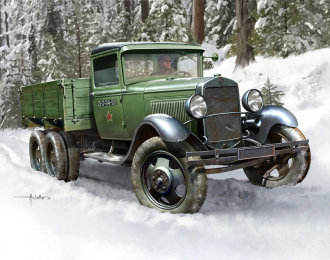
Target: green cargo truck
147,106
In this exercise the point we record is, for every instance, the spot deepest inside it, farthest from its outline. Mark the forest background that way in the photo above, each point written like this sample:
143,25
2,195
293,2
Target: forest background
45,40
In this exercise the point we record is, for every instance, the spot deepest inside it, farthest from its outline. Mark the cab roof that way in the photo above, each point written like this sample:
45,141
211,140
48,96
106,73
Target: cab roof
144,45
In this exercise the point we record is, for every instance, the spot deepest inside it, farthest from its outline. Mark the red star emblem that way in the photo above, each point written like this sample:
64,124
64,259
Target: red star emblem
109,116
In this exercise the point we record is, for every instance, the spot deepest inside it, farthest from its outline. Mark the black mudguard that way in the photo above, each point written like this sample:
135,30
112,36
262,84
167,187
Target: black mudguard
168,128
272,115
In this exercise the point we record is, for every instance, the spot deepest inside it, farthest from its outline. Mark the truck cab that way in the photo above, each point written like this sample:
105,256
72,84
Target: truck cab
127,83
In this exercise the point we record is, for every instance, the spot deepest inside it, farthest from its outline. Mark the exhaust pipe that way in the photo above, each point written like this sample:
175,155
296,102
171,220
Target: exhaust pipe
252,122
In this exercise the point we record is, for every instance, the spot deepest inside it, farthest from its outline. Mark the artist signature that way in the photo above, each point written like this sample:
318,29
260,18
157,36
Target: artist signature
35,197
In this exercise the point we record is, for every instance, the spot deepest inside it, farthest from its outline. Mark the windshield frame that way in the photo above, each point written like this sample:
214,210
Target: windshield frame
161,51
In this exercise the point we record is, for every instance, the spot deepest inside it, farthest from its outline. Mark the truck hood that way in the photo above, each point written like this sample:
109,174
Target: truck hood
162,85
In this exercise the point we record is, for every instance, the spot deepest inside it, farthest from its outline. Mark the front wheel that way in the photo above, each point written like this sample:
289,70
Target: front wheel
162,179
286,169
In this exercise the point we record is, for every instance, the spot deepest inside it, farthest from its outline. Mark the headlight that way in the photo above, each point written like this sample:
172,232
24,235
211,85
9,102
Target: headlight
196,106
252,100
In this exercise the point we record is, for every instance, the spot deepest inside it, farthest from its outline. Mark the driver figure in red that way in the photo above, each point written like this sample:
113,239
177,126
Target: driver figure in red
165,68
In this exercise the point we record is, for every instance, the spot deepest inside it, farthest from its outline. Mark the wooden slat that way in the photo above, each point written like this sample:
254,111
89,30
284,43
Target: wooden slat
80,92
39,112
28,111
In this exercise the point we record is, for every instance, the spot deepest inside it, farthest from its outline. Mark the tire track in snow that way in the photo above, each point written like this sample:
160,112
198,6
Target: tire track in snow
12,155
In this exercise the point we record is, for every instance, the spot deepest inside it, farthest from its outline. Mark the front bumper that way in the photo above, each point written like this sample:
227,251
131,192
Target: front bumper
237,158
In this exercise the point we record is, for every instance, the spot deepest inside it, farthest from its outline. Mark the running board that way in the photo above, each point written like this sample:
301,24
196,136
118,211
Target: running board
105,157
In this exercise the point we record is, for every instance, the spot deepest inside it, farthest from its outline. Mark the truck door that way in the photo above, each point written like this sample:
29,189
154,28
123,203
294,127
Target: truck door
107,101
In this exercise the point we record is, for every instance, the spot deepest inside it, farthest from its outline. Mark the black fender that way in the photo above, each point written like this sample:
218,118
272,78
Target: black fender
272,115
167,127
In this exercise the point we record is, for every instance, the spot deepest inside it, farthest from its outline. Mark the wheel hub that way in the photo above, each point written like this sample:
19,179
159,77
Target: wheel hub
161,180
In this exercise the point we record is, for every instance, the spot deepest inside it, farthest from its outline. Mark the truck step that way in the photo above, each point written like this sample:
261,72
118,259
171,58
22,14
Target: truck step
105,157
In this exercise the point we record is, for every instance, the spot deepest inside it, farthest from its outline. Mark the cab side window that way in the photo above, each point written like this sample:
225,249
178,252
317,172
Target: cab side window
106,71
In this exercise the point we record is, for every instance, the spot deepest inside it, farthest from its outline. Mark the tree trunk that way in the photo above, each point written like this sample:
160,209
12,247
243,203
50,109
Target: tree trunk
1,41
79,48
7,27
144,10
245,25
286,27
127,5
197,25
77,31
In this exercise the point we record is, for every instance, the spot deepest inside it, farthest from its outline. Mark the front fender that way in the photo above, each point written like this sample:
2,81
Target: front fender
272,115
168,128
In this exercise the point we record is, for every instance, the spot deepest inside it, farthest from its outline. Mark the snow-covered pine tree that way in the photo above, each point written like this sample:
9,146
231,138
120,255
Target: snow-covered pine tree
136,16
316,24
287,27
17,72
167,21
3,45
219,21
48,21
128,17
3,51
270,95
276,28
106,21
33,52
84,29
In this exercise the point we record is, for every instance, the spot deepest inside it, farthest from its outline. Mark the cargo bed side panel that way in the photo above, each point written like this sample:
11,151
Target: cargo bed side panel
68,101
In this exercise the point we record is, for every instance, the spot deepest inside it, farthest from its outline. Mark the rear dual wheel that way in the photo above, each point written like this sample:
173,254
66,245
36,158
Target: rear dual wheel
73,155
56,158
36,150
55,153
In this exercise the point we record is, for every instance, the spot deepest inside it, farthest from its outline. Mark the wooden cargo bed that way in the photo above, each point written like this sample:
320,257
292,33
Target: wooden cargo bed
65,104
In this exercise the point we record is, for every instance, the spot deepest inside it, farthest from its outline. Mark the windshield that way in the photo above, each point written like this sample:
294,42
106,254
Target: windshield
148,66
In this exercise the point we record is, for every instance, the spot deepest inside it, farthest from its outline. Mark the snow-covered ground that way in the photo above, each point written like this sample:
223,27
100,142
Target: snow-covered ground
98,216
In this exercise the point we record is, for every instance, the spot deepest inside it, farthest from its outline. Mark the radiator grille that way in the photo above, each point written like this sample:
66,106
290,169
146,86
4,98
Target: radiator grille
222,127
172,108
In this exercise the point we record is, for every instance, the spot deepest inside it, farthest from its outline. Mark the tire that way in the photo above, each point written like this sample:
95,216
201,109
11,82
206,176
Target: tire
292,168
162,179
36,151
73,156
55,156
46,131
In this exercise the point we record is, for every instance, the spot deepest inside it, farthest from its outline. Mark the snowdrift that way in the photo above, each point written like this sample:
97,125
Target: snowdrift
99,217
